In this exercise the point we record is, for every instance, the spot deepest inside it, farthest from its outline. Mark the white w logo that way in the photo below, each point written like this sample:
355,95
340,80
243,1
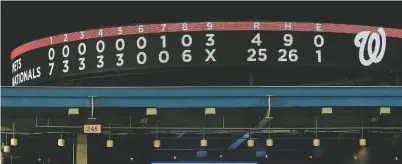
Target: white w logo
376,55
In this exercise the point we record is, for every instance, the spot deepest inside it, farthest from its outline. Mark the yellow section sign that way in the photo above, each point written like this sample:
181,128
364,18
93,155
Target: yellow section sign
93,129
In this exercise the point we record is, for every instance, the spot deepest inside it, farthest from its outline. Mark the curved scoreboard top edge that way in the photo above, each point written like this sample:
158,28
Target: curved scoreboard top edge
205,44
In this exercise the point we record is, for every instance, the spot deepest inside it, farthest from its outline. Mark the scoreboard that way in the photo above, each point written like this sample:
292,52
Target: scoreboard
206,44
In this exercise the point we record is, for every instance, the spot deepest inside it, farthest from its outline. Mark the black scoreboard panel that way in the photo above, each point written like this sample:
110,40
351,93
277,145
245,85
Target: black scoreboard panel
207,48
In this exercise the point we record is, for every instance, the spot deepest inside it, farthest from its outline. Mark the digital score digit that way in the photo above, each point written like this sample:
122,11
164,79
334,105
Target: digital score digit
202,44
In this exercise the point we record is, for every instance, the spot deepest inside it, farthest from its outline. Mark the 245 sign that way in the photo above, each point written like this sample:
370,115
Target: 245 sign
94,129
376,55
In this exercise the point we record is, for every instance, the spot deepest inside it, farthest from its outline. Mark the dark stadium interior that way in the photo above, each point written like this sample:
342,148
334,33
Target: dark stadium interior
293,129
180,131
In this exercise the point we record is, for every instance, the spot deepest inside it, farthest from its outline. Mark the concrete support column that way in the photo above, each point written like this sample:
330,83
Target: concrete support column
81,151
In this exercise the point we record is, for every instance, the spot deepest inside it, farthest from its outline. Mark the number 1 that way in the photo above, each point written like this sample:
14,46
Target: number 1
318,55
163,37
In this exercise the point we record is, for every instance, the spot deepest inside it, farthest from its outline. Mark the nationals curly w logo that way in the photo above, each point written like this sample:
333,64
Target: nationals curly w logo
376,55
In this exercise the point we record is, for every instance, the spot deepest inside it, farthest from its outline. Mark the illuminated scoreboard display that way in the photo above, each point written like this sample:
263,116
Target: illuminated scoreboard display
206,44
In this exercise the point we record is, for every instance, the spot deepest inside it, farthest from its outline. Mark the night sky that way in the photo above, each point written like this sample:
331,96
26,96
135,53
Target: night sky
26,21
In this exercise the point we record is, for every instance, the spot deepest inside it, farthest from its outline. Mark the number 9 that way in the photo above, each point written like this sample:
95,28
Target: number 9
288,39
210,25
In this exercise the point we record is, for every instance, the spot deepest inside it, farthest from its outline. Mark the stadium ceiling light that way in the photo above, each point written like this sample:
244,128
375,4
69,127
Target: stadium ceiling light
204,142
210,111
250,141
6,148
61,142
270,141
362,141
152,112
157,142
109,142
326,110
73,111
316,141
385,110
14,141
